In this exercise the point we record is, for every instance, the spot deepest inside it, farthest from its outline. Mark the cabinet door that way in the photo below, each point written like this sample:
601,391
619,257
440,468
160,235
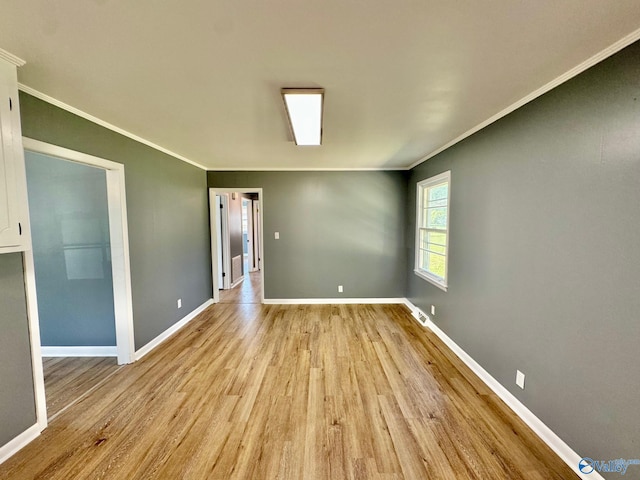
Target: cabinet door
10,207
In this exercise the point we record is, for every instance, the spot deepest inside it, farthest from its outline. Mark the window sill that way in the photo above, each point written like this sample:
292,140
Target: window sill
430,280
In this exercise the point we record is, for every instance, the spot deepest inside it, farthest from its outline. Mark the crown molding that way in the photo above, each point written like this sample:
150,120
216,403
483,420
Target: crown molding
263,169
11,58
590,62
53,101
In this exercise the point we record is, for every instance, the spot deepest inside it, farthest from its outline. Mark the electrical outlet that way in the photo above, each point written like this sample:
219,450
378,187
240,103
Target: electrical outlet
179,303
340,289
433,309
276,235
520,379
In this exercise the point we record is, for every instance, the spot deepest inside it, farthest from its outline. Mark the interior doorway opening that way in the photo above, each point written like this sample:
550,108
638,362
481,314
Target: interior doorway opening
79,258
237,245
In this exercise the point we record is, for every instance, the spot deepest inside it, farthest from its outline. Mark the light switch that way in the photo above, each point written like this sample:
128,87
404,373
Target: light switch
277,235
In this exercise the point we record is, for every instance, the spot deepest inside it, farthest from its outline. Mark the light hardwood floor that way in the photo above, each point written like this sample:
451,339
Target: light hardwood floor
67,379
249,391
249,291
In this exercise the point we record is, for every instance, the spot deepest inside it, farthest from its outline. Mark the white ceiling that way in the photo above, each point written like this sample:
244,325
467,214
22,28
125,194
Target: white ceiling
202,78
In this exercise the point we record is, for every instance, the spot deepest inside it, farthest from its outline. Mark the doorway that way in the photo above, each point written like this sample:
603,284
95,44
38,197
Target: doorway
247,235
77,274
236,245
251,232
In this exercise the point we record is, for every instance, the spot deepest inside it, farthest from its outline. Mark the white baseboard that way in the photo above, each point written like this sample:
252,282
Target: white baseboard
171,330
19,442
236,283
564,451
79,351
331,301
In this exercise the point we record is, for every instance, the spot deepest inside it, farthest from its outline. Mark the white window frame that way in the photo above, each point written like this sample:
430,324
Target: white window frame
421,188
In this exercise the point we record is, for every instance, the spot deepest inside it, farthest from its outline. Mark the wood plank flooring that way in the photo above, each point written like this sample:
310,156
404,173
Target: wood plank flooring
249,291
67,379
252,391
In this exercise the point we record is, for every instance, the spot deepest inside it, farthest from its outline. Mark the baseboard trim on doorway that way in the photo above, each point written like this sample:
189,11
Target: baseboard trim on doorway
102,351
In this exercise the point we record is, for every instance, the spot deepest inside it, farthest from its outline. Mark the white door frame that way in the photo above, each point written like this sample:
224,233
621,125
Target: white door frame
256,234
250,240
214,217
226,246
119,238
219,255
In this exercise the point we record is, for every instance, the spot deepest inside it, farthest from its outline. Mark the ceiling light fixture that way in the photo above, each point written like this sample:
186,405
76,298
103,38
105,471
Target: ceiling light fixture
304,111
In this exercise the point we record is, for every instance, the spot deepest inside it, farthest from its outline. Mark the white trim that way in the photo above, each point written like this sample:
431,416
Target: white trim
237,282
420,188
416,313
332,301
255,212
250,235
103,351
213,191
590,62
67,154
119,238
433,281
121,268
172,330
222,217
53,101
34,335
227,263
19,442
120,249
216,259
277,169
564,451
11,58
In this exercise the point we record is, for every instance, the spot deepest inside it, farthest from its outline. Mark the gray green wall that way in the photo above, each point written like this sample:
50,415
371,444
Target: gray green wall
167,210
168,241
336,228
544,269
69,218
544,251
17,402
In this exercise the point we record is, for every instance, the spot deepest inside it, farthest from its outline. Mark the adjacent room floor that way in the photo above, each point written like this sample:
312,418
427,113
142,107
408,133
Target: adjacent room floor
68,379
248,291
250,391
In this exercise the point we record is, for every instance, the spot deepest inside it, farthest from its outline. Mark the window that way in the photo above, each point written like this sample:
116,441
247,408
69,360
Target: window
432,229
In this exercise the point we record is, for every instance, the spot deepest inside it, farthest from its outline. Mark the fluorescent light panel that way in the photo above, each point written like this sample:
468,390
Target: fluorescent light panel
304,109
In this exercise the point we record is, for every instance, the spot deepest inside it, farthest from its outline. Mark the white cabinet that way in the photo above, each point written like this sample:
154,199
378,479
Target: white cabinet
13,184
